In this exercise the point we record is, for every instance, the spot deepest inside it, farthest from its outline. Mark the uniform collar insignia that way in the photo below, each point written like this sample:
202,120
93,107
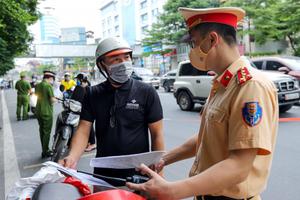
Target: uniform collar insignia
225,78
243,75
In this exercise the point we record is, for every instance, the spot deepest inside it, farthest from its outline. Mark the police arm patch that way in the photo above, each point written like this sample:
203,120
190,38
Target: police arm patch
252,113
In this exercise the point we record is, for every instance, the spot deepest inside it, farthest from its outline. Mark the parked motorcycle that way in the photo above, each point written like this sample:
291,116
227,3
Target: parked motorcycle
66,124
32,101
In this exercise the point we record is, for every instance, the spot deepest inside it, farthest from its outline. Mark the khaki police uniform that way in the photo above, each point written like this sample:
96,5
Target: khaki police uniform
241,113
23,88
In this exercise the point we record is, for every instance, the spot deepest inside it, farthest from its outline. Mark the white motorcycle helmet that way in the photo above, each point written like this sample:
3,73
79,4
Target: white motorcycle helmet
111,46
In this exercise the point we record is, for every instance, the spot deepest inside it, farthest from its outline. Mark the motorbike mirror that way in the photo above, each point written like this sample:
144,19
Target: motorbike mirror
62,88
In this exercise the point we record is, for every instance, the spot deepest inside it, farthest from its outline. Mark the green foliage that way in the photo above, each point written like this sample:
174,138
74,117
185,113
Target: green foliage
41,68
263,53
15,17
273,20
171,27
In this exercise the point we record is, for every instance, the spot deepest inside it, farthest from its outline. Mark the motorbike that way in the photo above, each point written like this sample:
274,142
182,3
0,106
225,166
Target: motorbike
58,191
66,124
32,101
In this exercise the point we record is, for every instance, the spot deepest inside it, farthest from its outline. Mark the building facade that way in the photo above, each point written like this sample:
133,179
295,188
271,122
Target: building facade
128,18
50,32
73,35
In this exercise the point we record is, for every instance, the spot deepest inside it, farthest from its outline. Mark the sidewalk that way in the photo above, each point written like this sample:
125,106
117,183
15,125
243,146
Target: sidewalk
2,183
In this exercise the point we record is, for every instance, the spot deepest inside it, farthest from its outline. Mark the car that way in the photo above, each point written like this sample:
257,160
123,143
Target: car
168,79
145,75
286,64
193,86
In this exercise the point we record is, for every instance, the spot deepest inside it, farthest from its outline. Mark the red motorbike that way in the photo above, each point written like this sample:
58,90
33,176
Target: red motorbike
77,190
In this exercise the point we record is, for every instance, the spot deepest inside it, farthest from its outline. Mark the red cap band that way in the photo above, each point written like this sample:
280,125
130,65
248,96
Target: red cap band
221,18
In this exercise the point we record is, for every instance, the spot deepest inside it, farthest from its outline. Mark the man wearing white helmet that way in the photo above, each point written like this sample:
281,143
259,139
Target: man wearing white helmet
123,109
68,83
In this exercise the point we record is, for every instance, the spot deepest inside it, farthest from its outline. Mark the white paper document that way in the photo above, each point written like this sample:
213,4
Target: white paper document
127,161
88,179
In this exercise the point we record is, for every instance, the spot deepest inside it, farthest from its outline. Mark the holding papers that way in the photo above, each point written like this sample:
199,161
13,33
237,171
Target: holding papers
127,161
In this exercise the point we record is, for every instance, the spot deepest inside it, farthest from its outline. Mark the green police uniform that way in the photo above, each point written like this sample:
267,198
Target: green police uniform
44,112
23,88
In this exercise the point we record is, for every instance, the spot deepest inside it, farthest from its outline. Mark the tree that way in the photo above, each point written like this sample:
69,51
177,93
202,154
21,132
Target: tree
41,68
15,17
273,20
171,27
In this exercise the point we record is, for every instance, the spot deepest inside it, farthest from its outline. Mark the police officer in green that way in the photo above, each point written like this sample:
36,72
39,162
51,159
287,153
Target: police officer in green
23,88
44,110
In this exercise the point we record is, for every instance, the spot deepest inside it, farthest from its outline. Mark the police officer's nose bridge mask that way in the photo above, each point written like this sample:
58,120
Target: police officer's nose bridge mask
119,72
197,57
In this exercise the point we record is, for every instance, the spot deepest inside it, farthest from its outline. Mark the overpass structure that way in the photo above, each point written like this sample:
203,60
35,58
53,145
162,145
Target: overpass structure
65,51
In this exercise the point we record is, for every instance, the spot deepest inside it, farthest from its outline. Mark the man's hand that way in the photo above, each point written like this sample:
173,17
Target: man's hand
68,162
158,167
156,187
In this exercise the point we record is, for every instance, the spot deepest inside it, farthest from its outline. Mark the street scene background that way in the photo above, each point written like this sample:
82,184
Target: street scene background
178,126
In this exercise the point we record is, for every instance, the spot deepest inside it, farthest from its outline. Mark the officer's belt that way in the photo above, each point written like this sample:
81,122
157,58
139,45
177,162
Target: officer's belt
209,197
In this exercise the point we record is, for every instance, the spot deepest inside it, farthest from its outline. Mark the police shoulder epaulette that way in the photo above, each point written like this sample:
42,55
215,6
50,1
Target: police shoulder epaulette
242,76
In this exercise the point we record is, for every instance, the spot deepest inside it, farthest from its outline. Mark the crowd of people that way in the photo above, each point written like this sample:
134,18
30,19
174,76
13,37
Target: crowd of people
235,144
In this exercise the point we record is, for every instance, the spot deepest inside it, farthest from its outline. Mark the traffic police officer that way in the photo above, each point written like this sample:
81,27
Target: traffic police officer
44,110
235,144
23,88
123,109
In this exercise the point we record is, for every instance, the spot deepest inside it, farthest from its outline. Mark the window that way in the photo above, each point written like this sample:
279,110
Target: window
172,74
116,29
188,70
143,4
144,29
104,33
144,18
109,31
116,18
154,12
273,65
109,21
258,64
103,23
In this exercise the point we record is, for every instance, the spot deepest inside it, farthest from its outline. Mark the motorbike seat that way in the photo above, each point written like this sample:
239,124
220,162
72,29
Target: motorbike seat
56,191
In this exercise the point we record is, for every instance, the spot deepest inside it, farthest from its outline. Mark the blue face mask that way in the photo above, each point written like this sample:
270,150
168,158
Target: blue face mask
120,72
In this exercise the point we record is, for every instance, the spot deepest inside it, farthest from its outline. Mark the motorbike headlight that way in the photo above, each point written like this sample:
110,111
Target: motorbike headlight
73,119
75,106
34,97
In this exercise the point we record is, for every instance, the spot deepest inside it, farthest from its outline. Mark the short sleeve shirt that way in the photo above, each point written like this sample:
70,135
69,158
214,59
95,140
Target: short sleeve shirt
68,84
22,87
130,108
44,92
239,114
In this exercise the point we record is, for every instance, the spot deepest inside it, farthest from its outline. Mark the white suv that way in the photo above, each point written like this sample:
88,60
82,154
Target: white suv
193,86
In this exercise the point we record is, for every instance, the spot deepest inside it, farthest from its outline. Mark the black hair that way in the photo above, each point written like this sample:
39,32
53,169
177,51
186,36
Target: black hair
228,33
48,76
